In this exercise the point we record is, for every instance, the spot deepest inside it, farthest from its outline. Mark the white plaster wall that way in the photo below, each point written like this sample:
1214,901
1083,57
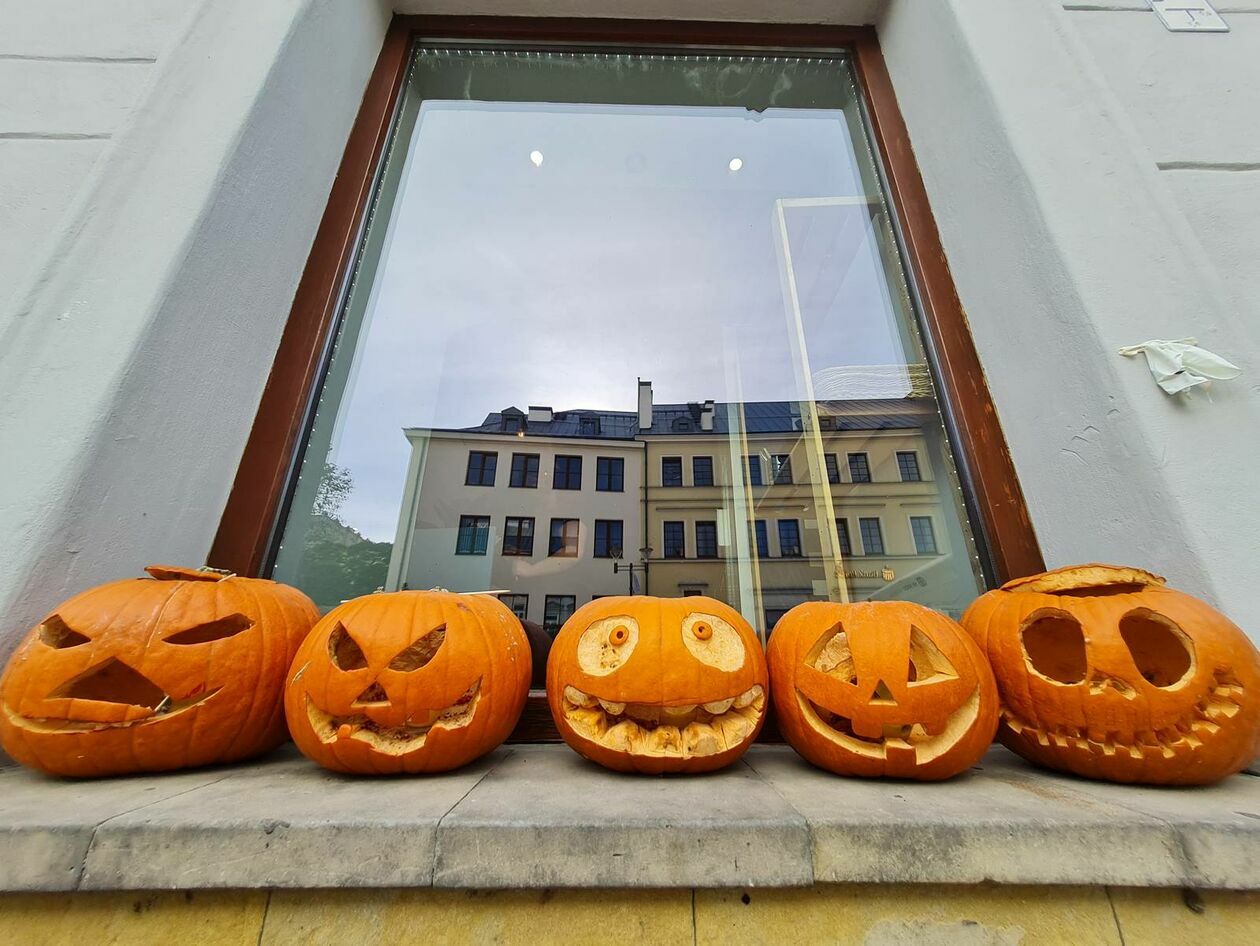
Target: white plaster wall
71,73
1048,137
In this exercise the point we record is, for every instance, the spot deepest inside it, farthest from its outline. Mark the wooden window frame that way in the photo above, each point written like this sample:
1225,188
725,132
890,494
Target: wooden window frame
265,477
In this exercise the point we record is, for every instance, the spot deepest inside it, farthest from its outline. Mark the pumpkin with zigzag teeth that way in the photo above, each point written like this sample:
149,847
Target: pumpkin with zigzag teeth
408,681
643,684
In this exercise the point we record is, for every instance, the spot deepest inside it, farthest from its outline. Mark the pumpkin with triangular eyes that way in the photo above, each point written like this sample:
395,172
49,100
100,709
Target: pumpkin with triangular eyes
180,669
1106,672
883,688
644,684
408,681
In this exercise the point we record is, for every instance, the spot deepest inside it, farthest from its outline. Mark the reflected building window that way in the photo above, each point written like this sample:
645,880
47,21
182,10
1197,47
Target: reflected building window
908,465
924,535
556,610
568,473
842,534
859,468
702,471
706,540
610,474
608,534
763,539
524,471
517,604
518,535
833,468
781,468
473,535
754,471
675,540
789,538
481,468
671,471
872,536
564,538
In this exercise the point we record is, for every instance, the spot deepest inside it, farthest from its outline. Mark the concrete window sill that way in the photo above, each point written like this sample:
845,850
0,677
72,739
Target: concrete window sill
540,816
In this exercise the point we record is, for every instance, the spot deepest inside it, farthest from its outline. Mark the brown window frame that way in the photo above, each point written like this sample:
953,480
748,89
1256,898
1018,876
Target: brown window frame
260,493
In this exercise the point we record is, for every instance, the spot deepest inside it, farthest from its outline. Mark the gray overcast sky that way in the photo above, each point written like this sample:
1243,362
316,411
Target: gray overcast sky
631,250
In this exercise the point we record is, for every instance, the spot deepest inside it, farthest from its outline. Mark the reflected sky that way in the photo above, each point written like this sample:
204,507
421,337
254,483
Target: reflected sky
552,254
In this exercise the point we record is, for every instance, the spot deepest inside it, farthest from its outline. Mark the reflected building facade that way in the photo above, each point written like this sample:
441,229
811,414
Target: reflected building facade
761,504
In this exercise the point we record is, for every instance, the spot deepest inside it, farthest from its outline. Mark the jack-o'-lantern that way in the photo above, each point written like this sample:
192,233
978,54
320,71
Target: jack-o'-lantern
643,684
1107,673
181,669
882,688
408,681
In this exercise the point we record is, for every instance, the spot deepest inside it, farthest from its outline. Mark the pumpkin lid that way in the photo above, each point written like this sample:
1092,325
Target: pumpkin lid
1081,578
179,573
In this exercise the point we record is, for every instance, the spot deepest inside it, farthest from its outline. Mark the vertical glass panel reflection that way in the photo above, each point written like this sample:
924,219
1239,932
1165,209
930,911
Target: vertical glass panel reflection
628,323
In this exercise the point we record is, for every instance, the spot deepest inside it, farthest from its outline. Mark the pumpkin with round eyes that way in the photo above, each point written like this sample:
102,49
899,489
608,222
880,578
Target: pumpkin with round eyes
1107,673
180,669
643,684
883,688
408,681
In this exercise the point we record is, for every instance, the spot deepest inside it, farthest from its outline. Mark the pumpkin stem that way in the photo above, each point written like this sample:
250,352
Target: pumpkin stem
1084,578
179,573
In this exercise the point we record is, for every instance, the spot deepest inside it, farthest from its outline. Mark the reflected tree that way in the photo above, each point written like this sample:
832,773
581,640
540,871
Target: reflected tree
338,562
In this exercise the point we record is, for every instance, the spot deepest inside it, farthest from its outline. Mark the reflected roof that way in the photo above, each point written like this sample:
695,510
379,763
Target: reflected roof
758,417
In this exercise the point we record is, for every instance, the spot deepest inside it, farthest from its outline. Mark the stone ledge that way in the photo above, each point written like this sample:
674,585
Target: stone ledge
539,816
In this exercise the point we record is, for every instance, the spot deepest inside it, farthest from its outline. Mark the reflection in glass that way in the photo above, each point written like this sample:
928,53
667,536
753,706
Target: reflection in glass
552,230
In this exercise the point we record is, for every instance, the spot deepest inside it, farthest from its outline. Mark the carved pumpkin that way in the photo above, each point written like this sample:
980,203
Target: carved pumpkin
410,681
883,688
642,684
1107,673
181,669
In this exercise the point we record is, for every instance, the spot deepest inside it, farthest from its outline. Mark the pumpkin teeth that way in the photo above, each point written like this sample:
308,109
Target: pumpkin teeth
1184,734
673,731
395,740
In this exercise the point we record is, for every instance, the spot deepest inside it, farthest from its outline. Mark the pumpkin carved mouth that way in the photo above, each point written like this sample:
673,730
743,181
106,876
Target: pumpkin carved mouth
911,737
165,709
394,740
1186,734
650,729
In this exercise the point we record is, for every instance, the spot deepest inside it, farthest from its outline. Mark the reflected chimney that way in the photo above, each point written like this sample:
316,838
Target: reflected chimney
539,415
645,404
706,416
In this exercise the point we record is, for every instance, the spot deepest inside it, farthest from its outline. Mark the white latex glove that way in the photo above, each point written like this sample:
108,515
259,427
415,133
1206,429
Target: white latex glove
1180,364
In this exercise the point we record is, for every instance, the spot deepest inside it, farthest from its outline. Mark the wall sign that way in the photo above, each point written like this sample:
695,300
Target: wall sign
1187,16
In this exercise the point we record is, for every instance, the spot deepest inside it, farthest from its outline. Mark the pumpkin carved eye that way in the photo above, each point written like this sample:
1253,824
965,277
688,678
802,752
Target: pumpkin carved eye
713,641
1054,646
927,663
1162,652
607,644
217,630
57,634
344,650
420,652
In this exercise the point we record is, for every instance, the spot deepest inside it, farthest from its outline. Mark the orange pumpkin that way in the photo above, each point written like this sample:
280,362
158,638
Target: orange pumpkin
409,681
1107,673
881,689
181,669
642,684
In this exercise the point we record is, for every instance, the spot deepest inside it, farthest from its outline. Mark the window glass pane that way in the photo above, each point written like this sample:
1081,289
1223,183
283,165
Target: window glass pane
671,269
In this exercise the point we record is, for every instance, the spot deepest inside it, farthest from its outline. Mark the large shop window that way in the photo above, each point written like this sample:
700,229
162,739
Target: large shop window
669,268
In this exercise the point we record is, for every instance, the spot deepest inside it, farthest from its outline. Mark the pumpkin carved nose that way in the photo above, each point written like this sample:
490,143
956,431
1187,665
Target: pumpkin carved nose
882,695
112,681
374,695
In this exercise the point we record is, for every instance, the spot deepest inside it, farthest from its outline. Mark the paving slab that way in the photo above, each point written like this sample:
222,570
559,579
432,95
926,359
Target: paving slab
46,824
548,818
1000,822
287,823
